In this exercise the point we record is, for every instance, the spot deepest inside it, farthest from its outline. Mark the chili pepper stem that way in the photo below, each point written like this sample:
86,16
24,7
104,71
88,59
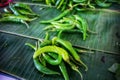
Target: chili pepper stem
25,24
75,68
80,74
92,32
86,68
59,34
32,46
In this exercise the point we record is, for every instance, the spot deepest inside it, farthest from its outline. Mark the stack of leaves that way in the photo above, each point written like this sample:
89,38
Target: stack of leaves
19,13
56,52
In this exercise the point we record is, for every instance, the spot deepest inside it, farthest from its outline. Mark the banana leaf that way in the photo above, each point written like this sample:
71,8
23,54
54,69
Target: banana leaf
16,58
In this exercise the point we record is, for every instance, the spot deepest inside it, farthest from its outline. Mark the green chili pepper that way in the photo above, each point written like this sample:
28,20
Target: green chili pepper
53,49
61,26
42,60
32,46
79,1
48,2
46,43
69,47
59,33
84,25
57,2
57,50
60,4
24,12
61,66
53,1
58,17
37,0
64,70
52,61
64,6
15,19
6,14
23,6
12,8
47,36
102,4
75,68
42,68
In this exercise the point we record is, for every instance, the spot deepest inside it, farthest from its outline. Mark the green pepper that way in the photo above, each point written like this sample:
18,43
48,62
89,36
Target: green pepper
60,4
46,43
78,1
42,68
58,17
69,47
54,49
83,24
48,2
23,6
12,8
17,19
64,70
51,61
102,4
32,46
26,13
60,26
61,66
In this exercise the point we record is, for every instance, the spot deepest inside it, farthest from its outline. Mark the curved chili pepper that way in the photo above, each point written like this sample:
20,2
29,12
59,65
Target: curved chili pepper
26,13
102,4
32,46
51,61
53,49
58,17
42,68
61,26
12,8
63,70
23,6
64,5
48,2
57,2
69,47
46,43
53,1
42,60
17,18
61,66
82,26
57,50
60,4
79,0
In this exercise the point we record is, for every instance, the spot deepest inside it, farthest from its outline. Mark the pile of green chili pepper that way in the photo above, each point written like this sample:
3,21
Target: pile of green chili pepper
72,23
65,4
19,13
56,52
